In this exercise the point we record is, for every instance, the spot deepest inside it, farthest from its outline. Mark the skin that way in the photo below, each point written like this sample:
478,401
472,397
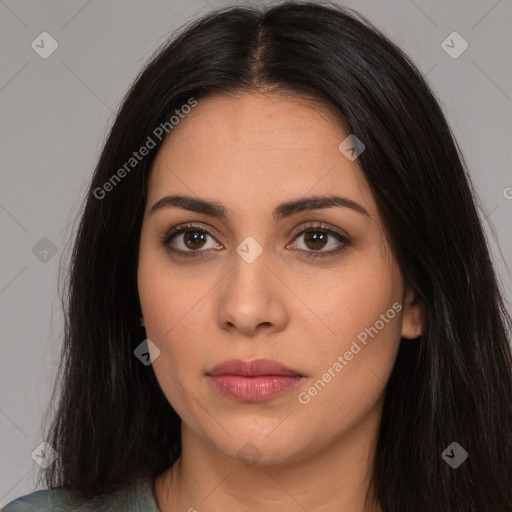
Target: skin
251,152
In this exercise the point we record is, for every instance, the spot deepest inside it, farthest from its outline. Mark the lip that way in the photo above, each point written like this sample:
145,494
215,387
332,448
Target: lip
254,368
253,381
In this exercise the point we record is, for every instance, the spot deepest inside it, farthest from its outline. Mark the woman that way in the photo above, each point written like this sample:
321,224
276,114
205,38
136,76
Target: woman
281,297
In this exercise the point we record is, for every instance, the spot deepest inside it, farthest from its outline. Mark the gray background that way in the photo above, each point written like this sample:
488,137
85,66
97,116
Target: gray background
55,113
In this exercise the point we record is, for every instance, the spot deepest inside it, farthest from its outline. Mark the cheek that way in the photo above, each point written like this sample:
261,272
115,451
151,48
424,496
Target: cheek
171,320
352,374
174,301
169,295
353,365
162,309
363,292
174,318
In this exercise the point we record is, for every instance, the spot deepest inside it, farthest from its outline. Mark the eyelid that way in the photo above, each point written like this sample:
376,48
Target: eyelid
321,226
179,229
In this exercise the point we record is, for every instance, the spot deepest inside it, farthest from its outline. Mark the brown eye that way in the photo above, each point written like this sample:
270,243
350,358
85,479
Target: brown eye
189,241
315,239
194,239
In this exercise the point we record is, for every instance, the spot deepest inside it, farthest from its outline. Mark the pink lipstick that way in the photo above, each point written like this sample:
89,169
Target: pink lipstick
253,381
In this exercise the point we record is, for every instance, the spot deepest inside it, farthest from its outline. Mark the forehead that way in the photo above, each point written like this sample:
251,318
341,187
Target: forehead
250,120
251,146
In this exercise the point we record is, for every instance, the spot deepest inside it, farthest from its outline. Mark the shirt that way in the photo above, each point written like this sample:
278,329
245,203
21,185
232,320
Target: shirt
62,499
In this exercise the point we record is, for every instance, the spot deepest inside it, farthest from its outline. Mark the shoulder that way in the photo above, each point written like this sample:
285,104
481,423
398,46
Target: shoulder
45,500
65,500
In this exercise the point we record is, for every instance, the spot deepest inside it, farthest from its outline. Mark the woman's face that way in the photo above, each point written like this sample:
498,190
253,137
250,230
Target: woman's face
315,289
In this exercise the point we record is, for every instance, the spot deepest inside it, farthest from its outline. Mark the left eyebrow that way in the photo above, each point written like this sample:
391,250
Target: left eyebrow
282,211
316,203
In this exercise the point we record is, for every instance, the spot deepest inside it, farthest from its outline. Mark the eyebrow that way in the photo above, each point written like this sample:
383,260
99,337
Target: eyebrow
282,211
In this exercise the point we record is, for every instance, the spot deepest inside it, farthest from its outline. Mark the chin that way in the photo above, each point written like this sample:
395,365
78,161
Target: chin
261,449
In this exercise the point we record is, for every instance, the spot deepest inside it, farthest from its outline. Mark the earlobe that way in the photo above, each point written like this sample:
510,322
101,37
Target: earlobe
412,322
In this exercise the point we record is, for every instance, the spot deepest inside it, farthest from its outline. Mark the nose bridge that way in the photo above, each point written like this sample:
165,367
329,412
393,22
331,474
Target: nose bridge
250,274
250,295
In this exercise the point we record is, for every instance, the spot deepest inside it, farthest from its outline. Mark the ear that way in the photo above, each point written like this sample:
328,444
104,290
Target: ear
412,318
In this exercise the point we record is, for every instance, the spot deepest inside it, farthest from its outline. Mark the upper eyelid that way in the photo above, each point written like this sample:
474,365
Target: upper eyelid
180,228
320,226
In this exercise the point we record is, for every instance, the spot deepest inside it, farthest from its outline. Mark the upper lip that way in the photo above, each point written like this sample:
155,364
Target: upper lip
252,368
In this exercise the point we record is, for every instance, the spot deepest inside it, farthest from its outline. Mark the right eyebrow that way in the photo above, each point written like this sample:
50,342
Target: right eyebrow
282,211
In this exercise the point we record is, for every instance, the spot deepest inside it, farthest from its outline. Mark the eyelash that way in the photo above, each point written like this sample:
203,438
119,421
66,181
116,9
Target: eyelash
314,227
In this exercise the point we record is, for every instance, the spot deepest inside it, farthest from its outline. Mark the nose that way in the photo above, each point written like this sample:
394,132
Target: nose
252,298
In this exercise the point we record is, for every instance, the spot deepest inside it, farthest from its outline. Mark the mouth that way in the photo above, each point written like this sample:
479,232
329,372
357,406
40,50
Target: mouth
253,381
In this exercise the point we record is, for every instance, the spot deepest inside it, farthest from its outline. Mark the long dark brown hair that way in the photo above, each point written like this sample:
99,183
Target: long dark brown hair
113,424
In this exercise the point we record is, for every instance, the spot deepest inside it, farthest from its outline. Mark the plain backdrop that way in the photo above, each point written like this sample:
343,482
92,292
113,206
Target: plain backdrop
55,112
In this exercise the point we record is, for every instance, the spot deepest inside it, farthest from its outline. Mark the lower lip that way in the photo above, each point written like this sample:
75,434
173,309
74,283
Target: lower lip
254,389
